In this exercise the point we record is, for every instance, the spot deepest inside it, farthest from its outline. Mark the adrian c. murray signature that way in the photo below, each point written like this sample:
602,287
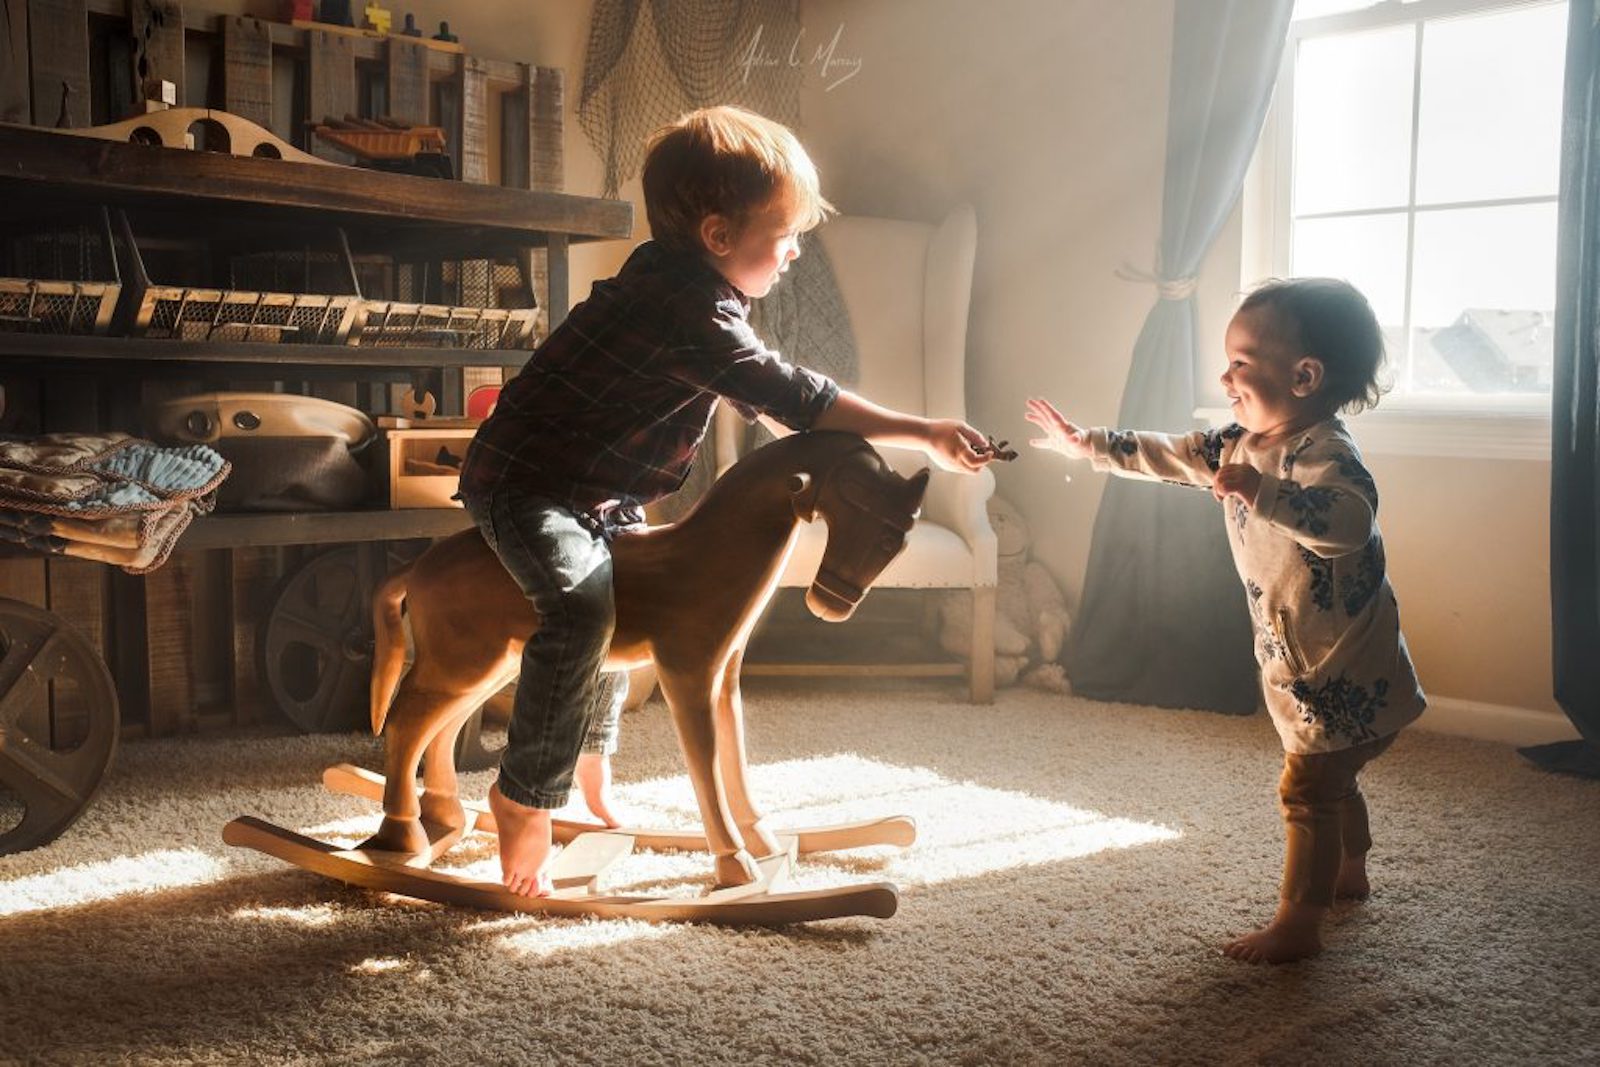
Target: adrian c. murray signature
833,68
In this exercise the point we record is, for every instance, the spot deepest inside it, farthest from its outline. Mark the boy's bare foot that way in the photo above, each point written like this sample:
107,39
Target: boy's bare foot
594,781
524,845
1293,934
1352,881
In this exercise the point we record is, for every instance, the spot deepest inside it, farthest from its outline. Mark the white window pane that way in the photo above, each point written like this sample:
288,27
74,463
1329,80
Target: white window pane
1483,298
1352,121
1494,257
1491,105
1368,251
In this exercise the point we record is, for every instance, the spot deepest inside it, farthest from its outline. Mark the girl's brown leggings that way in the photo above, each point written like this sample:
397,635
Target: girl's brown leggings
1325,817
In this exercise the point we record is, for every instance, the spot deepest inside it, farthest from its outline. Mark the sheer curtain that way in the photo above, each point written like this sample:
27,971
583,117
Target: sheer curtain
1575,466
1163,619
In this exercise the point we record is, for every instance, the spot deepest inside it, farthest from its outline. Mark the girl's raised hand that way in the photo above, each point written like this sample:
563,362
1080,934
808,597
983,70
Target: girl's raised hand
1060,435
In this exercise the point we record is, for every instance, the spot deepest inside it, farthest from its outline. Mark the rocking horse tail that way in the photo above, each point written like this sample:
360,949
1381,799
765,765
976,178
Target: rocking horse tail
388,643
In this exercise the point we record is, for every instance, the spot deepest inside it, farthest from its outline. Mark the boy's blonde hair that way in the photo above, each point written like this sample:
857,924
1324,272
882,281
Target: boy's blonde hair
724,161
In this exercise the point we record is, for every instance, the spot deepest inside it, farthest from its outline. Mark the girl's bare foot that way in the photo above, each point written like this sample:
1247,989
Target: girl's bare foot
524,845
1352,881
1293,934
594,781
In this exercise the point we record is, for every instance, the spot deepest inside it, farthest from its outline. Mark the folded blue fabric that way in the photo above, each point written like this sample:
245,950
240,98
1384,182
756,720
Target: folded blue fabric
169,471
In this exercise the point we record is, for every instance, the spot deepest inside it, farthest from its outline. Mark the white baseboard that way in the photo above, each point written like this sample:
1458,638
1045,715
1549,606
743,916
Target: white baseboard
1495,722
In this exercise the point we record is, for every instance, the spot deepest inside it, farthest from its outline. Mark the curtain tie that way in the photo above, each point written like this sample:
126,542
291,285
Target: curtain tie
1166,288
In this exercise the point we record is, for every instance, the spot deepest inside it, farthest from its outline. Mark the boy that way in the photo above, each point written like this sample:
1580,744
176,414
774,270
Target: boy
607,416
1302,524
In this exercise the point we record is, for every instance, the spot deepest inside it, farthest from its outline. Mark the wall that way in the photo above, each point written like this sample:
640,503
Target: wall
1050,117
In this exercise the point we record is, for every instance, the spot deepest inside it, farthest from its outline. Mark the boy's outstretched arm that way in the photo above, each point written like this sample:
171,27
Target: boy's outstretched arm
953,444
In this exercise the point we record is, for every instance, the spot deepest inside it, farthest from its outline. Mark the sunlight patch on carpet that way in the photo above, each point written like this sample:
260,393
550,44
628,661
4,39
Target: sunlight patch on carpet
311,915
347,833
381,965
92,882
965,831
540,937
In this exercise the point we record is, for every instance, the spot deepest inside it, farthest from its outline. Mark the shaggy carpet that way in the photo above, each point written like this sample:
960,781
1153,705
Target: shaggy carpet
1077,867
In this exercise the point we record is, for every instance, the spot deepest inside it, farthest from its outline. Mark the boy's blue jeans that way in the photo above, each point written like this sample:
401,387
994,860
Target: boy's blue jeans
564,705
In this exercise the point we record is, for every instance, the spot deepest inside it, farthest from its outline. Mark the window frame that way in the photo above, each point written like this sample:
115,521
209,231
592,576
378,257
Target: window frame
1411,425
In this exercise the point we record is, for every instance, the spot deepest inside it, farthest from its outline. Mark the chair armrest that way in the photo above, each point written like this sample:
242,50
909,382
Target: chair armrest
960,502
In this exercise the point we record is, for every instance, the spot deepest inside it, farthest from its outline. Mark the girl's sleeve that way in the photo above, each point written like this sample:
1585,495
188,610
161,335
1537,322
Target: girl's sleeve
1189,459
1327,502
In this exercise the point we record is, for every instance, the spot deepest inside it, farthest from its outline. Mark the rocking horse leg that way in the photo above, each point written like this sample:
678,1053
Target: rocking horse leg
690,698
441,790
735,771
415,720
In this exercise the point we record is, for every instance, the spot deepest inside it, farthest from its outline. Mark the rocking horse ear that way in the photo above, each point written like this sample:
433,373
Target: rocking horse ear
917,487
803,494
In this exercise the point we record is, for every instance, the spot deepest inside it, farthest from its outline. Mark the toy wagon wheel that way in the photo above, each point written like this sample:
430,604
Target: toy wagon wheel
58,724
316,644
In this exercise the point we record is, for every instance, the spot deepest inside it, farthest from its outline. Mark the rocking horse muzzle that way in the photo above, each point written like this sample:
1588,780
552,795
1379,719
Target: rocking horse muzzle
846,573
831,598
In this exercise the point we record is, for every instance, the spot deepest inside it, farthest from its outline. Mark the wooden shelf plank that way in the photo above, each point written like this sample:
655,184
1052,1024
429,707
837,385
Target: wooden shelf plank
36,161
240,358
259,529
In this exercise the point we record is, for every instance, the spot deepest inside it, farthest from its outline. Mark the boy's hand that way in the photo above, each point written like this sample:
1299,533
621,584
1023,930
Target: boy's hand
1237,479
955,446
1068,438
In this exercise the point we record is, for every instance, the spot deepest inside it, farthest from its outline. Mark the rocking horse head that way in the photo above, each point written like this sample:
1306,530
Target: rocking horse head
869,510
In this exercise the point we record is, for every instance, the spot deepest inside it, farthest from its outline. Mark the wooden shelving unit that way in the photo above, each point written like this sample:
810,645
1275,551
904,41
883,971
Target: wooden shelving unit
146,629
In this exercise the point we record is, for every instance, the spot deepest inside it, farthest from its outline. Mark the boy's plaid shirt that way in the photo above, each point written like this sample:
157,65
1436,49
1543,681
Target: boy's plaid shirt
611,408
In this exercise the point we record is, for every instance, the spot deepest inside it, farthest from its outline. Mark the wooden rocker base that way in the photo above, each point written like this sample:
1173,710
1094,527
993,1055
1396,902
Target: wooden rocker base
576,869
898,830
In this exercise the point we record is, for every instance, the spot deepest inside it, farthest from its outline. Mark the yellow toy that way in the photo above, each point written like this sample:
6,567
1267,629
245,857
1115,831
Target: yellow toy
378,18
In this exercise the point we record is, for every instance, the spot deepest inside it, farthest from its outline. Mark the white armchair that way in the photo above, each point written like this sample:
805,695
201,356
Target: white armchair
907,286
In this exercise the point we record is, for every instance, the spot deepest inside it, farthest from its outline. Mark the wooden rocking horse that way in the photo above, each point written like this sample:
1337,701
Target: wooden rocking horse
687,598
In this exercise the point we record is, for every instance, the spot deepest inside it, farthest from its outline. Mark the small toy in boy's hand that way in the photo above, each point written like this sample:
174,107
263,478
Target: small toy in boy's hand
997,449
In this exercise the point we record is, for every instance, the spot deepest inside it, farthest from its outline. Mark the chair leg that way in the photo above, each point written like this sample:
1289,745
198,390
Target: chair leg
981,666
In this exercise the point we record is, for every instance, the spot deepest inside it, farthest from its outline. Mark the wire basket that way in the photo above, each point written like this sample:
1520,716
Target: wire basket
270,298
397,324
455,304
60,280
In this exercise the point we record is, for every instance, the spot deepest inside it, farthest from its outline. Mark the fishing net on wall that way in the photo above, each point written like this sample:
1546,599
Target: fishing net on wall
649,61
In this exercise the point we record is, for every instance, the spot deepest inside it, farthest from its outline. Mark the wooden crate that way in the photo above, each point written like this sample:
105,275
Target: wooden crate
417,475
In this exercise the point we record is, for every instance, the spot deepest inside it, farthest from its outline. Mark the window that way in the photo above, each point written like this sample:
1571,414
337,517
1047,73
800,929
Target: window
1414,150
